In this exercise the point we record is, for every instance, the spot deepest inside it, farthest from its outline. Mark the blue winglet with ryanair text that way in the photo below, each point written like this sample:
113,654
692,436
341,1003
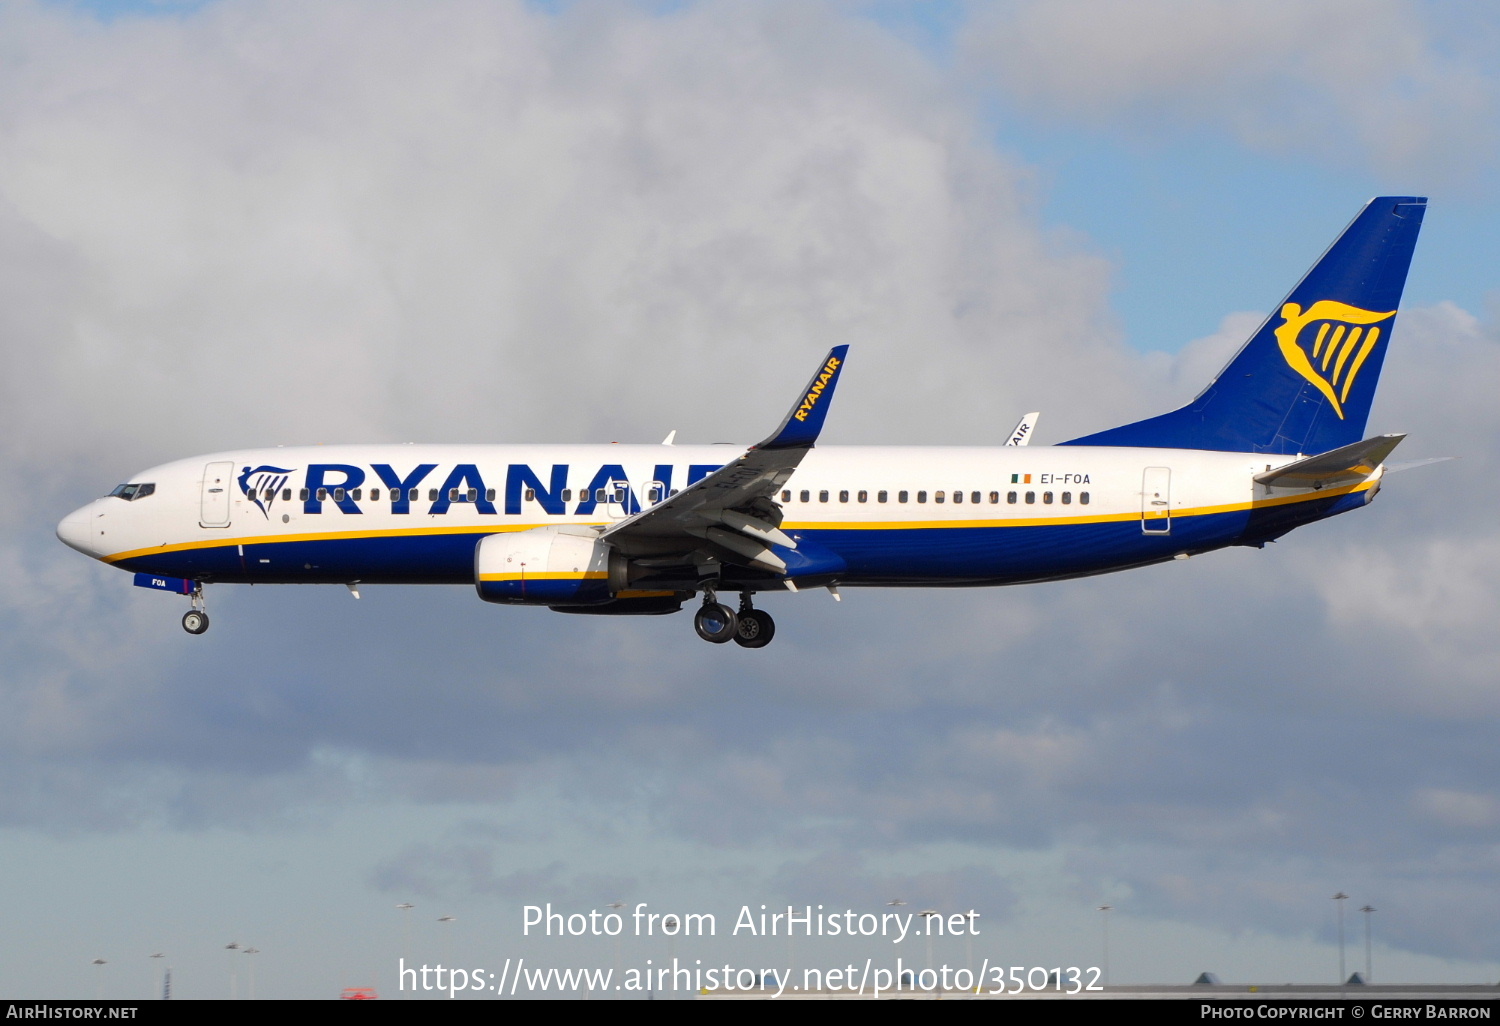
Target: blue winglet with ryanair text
802,425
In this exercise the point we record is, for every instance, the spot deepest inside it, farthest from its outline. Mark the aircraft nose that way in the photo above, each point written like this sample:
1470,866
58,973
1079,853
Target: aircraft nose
74,531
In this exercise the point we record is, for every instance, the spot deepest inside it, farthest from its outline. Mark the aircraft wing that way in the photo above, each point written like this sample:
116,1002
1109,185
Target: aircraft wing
732,508
1346,465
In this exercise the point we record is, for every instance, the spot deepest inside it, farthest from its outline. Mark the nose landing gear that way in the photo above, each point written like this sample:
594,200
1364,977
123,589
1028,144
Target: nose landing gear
195,620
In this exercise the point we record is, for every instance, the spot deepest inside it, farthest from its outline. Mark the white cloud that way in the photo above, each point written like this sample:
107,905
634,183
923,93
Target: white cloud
1350,82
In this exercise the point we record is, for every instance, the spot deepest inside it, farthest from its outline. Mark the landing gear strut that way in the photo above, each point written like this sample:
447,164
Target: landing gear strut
755,628
195,620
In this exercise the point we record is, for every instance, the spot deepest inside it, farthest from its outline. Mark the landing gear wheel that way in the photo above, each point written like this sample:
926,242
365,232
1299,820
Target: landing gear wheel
195,621
756,629
716,623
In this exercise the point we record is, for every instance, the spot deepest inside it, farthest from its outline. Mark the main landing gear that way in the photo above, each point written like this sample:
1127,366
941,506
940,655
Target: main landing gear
195,620
717,623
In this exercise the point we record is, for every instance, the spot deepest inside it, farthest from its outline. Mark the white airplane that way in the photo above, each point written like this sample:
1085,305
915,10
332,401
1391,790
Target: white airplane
1275,442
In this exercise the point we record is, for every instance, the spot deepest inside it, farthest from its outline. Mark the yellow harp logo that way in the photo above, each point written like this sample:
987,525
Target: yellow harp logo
1331,356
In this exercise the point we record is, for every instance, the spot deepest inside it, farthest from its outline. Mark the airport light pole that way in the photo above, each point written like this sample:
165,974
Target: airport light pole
1341,897
154,955
234,980
928,914
252,951
447,945
671,923
405,908
617,905
98,980
970,915
1369,976
1105,910
895,903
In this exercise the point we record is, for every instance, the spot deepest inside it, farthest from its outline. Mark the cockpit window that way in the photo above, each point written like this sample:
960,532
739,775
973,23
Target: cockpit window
131,492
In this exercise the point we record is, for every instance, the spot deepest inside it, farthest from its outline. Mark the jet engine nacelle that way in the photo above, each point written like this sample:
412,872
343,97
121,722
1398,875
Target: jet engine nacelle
548,566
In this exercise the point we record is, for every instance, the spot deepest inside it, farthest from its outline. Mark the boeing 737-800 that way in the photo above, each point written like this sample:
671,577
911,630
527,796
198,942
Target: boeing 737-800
1275,442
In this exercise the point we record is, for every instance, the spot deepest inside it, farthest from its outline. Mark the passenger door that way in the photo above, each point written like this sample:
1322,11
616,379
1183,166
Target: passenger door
217,480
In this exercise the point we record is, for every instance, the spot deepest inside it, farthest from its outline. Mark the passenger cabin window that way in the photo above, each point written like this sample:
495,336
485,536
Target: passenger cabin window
1031,496
1010,497
489,495
844,495
567,495
303,495
823,496
432,495
322,494
1047,497
473,494
1083,498
864,496
937,497
416,494
1067,497
994,498
286,495
531,495
374,494
786,496
975,497
356,494
901,496
958,496
921,496
881,496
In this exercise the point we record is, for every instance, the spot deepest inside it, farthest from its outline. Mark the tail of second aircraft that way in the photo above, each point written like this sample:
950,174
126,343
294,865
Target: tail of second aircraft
1305,380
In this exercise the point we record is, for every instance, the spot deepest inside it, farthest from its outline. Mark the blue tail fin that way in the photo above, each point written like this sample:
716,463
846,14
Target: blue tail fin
1305,380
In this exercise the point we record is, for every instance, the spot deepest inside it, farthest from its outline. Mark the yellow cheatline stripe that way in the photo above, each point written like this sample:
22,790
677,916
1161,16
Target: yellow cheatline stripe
283,539
557,576
809,525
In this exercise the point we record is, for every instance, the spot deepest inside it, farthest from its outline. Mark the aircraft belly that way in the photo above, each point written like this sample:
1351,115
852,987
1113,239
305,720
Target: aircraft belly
968,556
421,559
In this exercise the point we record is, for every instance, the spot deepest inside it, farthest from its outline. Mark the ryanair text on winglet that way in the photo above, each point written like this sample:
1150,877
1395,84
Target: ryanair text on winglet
816,392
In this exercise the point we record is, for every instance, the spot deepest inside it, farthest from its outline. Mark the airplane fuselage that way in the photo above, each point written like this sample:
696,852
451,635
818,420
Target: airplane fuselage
888,516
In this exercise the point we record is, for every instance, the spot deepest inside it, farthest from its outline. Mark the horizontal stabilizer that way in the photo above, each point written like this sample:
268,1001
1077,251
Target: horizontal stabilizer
1347,465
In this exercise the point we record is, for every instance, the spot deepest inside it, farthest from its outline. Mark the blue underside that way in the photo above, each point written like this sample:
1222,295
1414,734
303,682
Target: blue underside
953,557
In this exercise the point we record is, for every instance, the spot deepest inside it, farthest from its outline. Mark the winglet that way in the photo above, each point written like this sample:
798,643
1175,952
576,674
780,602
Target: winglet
803,423
1021,433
